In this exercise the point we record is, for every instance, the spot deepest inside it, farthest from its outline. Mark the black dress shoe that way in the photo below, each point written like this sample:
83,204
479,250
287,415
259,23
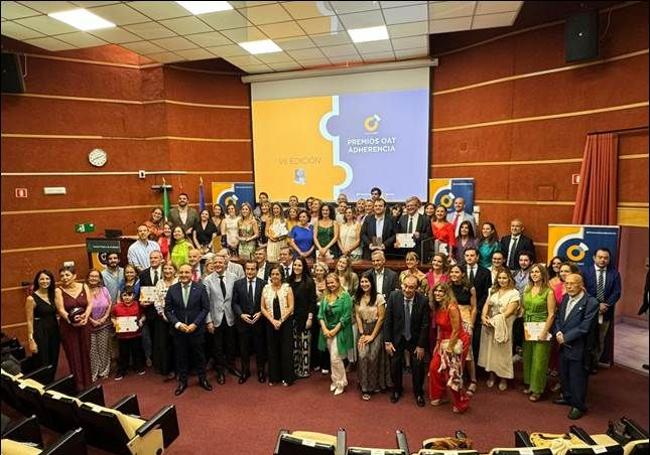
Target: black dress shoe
575,414
181,388
205,385
419,400
221,378
261,377
243,378
235,372
560,401
394,398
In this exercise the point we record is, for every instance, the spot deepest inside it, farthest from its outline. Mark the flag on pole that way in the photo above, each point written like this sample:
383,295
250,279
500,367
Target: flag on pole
201,195
165,201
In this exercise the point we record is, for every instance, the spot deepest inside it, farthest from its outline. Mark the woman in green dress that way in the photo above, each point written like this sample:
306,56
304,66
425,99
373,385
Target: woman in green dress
326,234
539,307
335,316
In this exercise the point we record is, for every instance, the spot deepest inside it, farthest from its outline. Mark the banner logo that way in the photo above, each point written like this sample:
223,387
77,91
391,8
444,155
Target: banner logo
371,124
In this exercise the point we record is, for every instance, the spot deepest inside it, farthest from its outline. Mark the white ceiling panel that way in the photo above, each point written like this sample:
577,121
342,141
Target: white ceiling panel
149,30
160,10
81,39
240,35
412,53
223,20
282,30
244,4
209,39
143,47
318,25
49,7
312,62
165,57
331,39
119,14
397,4
450,25
363,19
50,43
302,54
334,51
244,60
345,7
116,35
256,69
229,50
494,20
353,58
274,57
186,25
295,43
285,66
410,41
195,54
175,43
305,10
14,10
93,4
410,29
46,25
406,14
374,46
492,7
19,32
266,14
447,10
378,56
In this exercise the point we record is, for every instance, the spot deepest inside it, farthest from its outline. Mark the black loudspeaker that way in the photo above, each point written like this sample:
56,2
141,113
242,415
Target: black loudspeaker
12,74
581,37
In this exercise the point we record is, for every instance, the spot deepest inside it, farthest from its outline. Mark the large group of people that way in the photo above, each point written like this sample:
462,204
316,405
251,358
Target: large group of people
201,289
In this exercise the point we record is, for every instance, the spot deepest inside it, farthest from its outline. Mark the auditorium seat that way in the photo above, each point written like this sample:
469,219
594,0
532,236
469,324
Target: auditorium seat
61,407
402,448
121,430
310,443
13,390
24,438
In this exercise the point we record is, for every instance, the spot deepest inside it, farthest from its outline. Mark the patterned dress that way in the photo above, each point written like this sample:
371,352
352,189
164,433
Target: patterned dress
100,337
374,366
246,248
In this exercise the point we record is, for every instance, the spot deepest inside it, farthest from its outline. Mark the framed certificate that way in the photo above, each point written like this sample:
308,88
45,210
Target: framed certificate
405,240
532,330
147,294
126,324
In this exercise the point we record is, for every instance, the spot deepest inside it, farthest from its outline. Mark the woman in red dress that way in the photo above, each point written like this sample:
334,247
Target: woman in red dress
443,231
452,345
75,332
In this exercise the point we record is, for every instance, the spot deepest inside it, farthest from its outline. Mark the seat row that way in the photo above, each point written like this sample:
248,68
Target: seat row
24,438
118,429
575,442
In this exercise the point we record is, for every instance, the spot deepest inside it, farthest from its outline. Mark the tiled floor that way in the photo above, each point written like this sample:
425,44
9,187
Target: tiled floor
631,346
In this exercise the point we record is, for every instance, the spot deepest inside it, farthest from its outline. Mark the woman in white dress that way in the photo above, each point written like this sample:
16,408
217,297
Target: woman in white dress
276,232
499,312
350,235
230,228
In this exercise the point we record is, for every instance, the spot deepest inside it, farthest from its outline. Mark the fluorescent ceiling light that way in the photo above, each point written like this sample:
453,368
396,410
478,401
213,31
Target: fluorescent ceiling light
265,46
205,7
82,19
363,35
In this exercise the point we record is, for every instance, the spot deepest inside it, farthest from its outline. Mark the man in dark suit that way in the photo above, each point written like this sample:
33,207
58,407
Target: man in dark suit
246,304
481,279
603,282
571,330
377,230
515,243
417,224
386,280
148,278
186,306
263,266
406,329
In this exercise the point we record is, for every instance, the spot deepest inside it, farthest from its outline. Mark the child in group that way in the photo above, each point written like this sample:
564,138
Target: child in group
129,336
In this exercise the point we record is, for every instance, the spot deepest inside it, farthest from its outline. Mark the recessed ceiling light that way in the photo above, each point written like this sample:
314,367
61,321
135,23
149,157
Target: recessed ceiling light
363,35
82,19
205,7
265,46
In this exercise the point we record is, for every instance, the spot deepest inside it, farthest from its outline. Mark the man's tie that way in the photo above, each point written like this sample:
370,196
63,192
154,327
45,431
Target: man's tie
600,286
186,294
511,254
250,295
569,306
286,272
407,319
456,220
409,229
472,274
222,285
155,277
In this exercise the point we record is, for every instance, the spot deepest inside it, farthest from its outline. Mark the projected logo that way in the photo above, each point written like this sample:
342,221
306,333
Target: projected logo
233,193
371,124
444,191
577,243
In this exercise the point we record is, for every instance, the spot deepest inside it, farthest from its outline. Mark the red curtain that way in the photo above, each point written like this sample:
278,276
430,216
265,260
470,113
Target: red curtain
596,200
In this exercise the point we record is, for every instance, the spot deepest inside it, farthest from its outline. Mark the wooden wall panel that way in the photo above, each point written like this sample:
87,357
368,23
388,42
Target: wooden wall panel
214,156
205,87
191,121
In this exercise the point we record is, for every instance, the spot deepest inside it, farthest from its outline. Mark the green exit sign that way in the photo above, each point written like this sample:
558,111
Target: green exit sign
84,227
